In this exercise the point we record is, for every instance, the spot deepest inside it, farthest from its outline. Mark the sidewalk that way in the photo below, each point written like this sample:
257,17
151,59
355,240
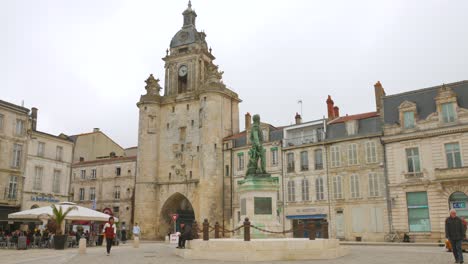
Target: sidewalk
398,244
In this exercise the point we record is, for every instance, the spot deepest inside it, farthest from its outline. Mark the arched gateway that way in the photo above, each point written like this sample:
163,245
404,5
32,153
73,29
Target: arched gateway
175,204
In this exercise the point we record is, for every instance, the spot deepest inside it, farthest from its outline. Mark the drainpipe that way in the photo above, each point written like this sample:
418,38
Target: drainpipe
282,184
387,188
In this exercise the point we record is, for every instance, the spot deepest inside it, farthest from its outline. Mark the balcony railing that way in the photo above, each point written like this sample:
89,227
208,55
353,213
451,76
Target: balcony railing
451,173
414,175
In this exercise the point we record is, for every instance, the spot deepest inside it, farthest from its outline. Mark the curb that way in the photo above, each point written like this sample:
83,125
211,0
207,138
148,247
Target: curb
394,244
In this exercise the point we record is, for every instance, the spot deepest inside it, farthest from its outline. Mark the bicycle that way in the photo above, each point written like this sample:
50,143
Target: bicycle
392,237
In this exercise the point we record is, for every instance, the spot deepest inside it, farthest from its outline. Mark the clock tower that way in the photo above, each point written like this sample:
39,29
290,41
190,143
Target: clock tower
180,156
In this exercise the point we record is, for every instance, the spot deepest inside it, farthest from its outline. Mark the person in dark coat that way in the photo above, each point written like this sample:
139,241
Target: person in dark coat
454,232
185,234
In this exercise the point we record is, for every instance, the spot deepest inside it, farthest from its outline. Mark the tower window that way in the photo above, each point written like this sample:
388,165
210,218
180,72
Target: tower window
170,174
167,125
198,148
190,174
173,109
188,107
193,122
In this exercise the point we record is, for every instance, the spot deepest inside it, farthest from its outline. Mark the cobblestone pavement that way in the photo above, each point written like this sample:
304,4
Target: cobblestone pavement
163,253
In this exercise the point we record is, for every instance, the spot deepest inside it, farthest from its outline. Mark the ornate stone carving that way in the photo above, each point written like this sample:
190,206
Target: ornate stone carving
152,86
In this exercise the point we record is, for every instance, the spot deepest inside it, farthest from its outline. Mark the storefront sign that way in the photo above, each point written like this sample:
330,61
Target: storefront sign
44,199
459,205
307,210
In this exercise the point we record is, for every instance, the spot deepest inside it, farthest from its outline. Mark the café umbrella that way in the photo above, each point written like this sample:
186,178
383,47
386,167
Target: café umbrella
81,213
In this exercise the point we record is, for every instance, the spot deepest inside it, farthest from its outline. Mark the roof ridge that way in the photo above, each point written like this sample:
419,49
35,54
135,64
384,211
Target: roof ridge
426,89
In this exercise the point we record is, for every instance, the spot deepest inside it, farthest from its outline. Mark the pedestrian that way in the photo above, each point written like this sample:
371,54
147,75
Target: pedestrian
123,233
454,232
136,230
109,230
185,234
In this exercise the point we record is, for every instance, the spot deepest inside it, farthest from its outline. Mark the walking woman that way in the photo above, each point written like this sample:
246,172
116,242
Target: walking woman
109,231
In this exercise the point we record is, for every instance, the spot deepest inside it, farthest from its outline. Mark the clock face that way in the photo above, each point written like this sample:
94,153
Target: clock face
183,70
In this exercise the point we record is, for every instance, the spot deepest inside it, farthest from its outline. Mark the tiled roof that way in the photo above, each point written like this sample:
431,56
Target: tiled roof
105,160
353,117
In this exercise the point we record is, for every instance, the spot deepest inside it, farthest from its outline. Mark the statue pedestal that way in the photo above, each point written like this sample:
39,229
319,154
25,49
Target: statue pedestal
258,201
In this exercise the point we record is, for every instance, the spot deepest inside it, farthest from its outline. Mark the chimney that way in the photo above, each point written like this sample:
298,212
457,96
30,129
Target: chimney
248,121
336,111
34,118
298,119
379,94
96,129
331,113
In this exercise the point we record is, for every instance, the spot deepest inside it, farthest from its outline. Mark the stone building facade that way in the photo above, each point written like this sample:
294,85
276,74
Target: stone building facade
14,127
106,185
180,137
426,144
48,168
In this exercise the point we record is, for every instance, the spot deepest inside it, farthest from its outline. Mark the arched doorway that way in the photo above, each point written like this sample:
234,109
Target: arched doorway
176,204
459,202
34,206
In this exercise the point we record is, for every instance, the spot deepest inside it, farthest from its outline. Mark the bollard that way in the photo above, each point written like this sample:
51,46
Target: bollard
246,229
206,230
300,229
136,242
195,230
216,230
311,231
82,246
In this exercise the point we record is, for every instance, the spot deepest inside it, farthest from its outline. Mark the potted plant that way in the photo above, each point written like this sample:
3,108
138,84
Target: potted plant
59,218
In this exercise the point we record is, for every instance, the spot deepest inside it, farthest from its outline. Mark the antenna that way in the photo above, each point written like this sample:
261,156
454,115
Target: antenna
300,102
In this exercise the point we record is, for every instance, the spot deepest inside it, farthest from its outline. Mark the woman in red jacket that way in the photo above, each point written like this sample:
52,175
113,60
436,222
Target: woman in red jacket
109,230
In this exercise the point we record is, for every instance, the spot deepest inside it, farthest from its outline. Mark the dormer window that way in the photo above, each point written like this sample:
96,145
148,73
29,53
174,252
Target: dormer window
408,112
448,112
408,119
352,127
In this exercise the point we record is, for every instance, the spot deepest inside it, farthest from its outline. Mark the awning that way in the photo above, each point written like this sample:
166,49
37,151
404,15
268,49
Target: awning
315,216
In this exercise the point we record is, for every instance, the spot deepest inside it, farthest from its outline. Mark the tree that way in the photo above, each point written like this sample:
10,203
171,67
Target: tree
59,217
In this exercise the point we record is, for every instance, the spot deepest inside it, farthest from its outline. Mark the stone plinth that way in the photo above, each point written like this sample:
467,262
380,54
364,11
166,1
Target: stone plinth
258,200
263,249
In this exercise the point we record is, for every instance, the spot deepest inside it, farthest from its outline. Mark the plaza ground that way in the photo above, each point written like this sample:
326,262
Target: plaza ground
163,253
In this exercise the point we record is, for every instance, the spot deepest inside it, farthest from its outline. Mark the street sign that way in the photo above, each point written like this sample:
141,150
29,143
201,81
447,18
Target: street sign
174,217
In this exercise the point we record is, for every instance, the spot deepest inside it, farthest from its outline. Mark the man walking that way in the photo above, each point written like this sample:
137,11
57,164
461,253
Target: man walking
185,234
454,232
136,230
109,230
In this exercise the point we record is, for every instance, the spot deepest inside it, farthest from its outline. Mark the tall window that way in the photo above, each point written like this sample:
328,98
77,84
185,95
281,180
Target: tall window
92,193
118,171
448,112
371,152
318,159
12,187
337,190
93,174
374,185
305,190
418,212
354,186
274,156
319,191
56,182
19,131
240,161
82,194
227,171
452,152
412,157
291,191
352,154
40,149
83,174
290,162
304,161
17,155
38,172
117,192
408,119
59,153
335,156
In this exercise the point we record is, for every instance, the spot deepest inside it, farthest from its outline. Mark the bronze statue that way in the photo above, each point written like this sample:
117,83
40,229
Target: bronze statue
256,152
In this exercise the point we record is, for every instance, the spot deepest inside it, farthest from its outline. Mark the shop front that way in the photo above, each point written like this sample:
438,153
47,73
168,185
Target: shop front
306,215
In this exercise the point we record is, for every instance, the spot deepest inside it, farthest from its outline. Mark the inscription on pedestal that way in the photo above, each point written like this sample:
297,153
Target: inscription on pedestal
262,205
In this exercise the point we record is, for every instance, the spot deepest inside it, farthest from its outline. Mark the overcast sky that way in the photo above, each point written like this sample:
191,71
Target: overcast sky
83,63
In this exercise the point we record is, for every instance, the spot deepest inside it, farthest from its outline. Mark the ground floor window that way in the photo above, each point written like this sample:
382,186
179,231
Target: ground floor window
418,212
459,202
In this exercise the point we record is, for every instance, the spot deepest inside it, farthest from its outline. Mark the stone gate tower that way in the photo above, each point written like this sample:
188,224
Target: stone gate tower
180,168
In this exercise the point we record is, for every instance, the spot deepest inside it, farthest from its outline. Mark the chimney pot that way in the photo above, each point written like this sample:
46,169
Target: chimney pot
34,118
96,129
298,118
330,110
336,111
